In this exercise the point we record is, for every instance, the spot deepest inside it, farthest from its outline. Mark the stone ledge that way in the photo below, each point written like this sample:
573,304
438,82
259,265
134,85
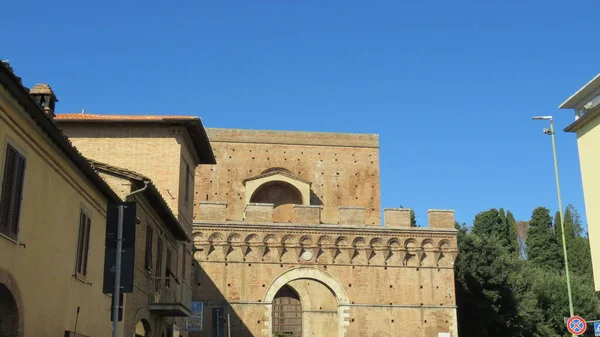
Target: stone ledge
307,214
212,210
352,215
441,218
396,217
259,212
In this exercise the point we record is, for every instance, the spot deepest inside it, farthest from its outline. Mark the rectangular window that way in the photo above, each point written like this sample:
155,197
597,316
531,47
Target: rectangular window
149,238
168,272
158,272
183,259
187,183
83,243
12,192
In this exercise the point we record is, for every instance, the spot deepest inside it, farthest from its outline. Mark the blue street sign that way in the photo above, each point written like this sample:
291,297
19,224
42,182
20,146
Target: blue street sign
596,328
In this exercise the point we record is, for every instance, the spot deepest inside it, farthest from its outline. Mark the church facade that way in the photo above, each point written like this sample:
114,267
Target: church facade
289,241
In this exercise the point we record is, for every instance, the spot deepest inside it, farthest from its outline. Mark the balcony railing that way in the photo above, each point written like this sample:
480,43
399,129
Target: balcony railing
170,296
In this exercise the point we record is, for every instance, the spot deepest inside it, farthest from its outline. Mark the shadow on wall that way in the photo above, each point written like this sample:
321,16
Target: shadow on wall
218,316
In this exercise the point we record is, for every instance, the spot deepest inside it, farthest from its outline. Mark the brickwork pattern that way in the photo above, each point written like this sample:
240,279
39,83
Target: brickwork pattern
343,168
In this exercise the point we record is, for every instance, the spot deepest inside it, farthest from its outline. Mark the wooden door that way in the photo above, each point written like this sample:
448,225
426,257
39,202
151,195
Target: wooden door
287,313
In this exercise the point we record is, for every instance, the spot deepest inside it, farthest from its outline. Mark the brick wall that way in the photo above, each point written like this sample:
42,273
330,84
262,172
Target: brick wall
343,168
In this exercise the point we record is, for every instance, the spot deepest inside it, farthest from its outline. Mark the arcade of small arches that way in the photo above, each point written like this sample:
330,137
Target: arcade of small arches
324,248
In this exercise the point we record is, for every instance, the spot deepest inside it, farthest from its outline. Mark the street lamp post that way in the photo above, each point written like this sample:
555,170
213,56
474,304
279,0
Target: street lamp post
560,209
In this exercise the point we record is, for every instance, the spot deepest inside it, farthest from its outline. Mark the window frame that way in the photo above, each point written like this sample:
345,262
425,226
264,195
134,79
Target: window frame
11,233
149,248
84,230
187,182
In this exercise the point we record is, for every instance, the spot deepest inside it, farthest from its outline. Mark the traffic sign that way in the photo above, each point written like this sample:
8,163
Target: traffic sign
576,325
596,328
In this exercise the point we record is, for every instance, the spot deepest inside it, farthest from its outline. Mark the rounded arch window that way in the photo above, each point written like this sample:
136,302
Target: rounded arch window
282,195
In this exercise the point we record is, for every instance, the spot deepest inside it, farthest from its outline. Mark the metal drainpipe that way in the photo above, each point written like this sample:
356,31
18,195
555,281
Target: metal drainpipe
146,183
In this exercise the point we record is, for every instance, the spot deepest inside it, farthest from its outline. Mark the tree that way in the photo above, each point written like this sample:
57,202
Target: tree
578,247
500,224
483,294
513,241
543,250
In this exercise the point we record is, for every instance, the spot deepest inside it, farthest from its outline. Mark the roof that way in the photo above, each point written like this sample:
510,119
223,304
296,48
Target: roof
192,124
583,120
152,195
43,89
13,85
576,99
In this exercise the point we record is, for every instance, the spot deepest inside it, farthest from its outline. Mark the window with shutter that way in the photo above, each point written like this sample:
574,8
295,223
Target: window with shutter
149,238
187,183
168,272
12,192
183,266
158,272
83,243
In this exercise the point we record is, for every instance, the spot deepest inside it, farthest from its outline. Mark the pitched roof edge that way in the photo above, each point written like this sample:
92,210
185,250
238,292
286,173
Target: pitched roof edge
152,194
193,125
12,84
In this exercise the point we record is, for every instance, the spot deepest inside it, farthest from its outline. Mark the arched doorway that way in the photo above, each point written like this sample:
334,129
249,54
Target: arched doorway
142,329
9,313
287,313
322,300
282,195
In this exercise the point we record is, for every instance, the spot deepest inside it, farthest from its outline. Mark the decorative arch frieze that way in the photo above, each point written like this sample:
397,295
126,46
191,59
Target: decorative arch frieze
325,246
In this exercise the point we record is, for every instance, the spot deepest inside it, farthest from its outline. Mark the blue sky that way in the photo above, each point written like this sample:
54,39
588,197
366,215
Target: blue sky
450,86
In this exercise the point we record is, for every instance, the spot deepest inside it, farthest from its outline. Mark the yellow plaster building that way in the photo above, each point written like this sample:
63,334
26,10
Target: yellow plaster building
586,105
52,222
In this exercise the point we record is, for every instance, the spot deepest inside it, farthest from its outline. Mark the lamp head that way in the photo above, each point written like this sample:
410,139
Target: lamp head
542,118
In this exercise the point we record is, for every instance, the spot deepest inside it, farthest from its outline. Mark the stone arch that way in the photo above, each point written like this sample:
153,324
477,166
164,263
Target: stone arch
270,239
288,239
427,243
143,328
341,241
305,240
359,241
393,243
444,245
410,243
234,238
11,305
300,278
215,237
324,240
376,242
282,194
252,238
308,273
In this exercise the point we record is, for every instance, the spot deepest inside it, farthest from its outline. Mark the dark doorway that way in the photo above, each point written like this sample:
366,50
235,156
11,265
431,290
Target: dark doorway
9,314
287,313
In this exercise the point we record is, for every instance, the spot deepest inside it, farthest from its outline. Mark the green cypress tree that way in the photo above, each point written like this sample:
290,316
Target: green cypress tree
513,240
543,250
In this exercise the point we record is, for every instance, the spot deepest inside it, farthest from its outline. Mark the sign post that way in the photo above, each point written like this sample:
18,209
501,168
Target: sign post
576,325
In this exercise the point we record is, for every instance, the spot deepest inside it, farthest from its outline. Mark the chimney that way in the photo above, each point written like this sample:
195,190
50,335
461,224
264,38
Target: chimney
43,95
